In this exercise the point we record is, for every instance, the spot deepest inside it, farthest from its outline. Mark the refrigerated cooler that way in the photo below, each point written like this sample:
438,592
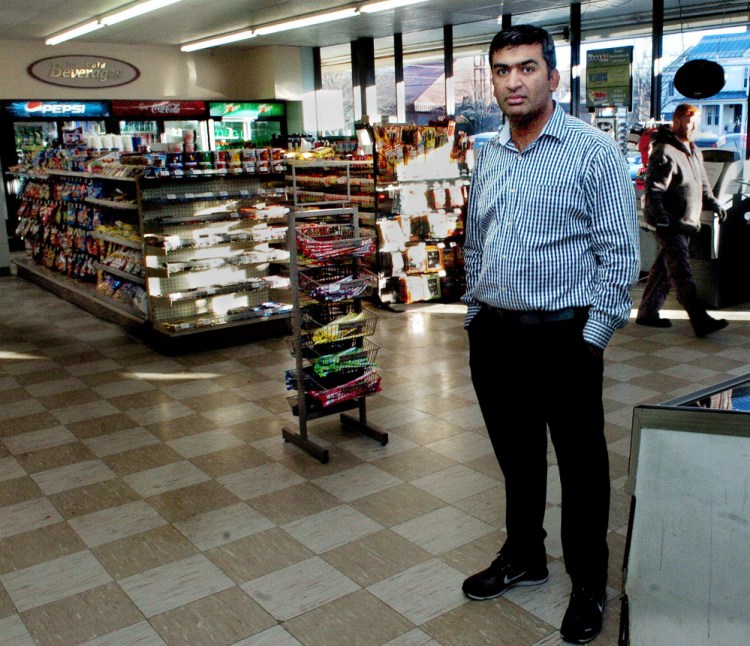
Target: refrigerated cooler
149,122
236,123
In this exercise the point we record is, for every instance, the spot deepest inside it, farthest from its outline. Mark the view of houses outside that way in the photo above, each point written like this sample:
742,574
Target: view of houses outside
424,83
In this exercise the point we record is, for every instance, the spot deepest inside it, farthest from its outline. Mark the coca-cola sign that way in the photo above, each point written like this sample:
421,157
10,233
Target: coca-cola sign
163,109
81,71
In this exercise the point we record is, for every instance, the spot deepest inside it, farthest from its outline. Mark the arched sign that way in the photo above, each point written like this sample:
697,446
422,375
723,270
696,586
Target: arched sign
83,72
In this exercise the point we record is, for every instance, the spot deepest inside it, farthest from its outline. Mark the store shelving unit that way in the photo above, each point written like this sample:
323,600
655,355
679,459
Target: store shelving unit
210,248
82,232
334,358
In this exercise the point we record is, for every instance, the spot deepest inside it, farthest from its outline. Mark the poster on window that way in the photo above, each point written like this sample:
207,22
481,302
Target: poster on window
609,80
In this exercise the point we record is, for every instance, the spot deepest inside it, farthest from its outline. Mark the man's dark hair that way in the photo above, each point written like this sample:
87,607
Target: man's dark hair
526,35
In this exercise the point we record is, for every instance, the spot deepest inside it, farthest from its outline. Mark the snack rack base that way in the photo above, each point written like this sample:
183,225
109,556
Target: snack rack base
350,395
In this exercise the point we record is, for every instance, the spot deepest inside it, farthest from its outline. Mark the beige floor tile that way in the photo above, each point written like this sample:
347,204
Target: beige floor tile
258,555
21,408
332,528
39,440
416,637
228,461
84,411
94,497
275,636
74,402
141,459
38,545
120,441
175,584
261,480
395,415
414,463
293,503
462,447
476,555
358,619
157,413
235,414
202,443
141,552
186,502
168,477
192,388
15,632
455,483
299,588
487,465
422,592
221,526
213,401
101,426
222,618
488,506
97,612
429,429
30,420
357,482
375,557
140,634
10,470
442,530
397,504
55,387
369,450
115,523
488,623
92,367
56,456
310,468
71,476
26,516
170,429
53,580
125,388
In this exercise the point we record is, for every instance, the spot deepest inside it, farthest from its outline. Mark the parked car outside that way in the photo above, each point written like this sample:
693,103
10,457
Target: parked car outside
706,140
735,141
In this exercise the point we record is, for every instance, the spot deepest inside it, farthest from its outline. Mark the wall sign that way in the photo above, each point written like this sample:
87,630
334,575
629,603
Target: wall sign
80,71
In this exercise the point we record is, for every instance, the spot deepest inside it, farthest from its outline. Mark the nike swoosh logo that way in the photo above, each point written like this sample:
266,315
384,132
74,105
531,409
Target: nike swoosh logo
507,581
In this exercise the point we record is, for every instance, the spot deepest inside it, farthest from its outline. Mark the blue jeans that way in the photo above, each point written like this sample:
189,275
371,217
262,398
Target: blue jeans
528,378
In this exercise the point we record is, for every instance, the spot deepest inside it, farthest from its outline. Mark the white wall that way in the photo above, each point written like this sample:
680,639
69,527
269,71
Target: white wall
166,72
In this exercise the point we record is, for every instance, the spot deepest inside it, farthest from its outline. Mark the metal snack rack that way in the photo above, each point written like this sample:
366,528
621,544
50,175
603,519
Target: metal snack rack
334,358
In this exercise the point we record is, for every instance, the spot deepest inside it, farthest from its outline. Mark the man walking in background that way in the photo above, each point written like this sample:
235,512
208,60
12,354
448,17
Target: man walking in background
551,254
676,191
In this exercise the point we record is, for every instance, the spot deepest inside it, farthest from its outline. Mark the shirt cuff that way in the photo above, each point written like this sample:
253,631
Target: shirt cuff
597,333
473,310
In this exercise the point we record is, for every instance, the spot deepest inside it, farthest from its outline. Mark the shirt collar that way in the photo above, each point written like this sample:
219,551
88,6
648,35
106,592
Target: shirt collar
555,127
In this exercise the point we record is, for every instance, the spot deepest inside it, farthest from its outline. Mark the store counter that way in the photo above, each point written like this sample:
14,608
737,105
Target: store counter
687,563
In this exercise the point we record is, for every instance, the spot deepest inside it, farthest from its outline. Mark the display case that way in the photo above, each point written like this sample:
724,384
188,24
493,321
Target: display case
686,573
421,223
171,254
331,330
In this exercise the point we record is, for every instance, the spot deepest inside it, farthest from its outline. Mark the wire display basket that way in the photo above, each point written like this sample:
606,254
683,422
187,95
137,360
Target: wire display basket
336,282
346,362
339,334
367,384
322,242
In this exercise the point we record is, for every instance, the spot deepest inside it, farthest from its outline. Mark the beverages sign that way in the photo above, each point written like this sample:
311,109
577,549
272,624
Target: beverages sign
86,72
165,109
57,109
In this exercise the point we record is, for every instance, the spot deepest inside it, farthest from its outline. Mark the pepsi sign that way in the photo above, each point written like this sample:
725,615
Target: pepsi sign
57,109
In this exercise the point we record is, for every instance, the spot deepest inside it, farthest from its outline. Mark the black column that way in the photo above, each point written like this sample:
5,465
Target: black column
657,32
575,59
398,64
505,21
363,70
450,101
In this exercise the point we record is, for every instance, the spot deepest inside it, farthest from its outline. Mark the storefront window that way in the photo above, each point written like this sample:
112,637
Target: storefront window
335,102
385,77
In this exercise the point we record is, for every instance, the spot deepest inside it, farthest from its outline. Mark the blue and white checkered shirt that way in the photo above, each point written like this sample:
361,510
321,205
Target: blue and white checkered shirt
553,226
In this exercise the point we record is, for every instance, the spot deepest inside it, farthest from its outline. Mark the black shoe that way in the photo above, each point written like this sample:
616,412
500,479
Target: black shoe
653,321
502,575
583,618
708,326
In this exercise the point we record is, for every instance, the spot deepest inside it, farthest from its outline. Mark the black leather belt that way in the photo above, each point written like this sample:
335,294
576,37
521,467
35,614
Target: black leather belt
537,317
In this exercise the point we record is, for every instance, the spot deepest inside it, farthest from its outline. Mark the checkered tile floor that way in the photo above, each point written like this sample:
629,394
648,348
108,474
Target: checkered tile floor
147,499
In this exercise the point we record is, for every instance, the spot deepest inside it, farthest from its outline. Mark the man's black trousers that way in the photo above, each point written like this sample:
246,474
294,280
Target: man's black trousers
529,377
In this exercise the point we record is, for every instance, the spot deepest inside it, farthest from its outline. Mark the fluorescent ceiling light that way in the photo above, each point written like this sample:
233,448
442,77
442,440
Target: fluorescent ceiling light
74,33
307,21
218,40
385,5
135,10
